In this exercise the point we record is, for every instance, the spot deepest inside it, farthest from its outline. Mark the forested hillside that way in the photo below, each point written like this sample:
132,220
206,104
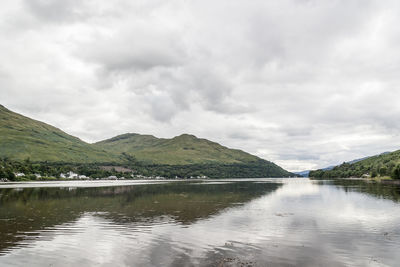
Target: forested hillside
383,165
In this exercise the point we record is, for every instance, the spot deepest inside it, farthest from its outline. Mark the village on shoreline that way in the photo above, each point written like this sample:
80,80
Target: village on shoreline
71,176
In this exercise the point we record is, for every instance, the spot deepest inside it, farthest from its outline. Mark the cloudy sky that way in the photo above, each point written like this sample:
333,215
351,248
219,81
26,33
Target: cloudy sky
303,83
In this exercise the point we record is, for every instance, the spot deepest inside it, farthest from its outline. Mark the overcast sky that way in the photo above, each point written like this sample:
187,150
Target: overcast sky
303,83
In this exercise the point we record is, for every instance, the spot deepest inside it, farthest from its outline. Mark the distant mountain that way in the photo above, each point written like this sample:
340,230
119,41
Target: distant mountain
302,173
22,138
307,172
180,150
384,164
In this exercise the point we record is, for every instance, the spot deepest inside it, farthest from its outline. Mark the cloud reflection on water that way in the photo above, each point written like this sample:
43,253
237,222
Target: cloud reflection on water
300,223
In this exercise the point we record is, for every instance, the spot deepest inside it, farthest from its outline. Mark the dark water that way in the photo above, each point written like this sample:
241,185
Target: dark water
264,222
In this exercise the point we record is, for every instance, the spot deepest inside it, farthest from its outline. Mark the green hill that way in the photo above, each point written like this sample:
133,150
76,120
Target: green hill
188,155
386,164
184,155
180,150
22,138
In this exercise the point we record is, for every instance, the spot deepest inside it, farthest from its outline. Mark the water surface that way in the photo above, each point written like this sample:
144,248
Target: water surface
261,222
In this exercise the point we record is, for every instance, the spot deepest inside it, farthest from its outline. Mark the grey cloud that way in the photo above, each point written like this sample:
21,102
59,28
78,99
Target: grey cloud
162,107
213,89
299,130
299,156
239,135
134,50
56,11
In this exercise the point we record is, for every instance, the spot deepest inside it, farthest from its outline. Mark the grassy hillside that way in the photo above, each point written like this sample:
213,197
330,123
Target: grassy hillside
188,155
180,150
183,156
22,137
386,164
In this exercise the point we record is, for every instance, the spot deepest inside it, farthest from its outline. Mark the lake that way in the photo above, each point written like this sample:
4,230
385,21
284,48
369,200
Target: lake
258,222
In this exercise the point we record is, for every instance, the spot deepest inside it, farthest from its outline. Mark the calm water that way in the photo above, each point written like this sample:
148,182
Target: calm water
263,222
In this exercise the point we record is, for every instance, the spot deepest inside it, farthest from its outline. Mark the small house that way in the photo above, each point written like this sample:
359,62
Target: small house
72,175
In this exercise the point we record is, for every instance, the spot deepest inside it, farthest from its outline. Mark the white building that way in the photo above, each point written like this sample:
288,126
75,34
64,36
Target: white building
19,174
72,175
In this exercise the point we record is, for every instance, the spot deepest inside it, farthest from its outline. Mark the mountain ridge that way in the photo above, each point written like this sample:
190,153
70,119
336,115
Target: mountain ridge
25,138
185,149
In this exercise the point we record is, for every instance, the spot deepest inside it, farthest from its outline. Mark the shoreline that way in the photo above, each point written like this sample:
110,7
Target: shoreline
383,180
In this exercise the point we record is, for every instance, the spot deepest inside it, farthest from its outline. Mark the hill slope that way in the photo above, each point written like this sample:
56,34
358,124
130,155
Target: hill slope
180,150
190,154
383,164
22,137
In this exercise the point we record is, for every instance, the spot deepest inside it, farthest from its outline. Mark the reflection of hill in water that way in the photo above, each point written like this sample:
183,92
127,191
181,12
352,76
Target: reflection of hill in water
380,190
24,212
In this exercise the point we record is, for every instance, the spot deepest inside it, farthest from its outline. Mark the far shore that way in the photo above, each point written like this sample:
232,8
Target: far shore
383,180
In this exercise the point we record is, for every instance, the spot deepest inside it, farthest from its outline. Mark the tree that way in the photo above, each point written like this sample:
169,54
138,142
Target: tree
10,175
396,172
2,173
382,171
